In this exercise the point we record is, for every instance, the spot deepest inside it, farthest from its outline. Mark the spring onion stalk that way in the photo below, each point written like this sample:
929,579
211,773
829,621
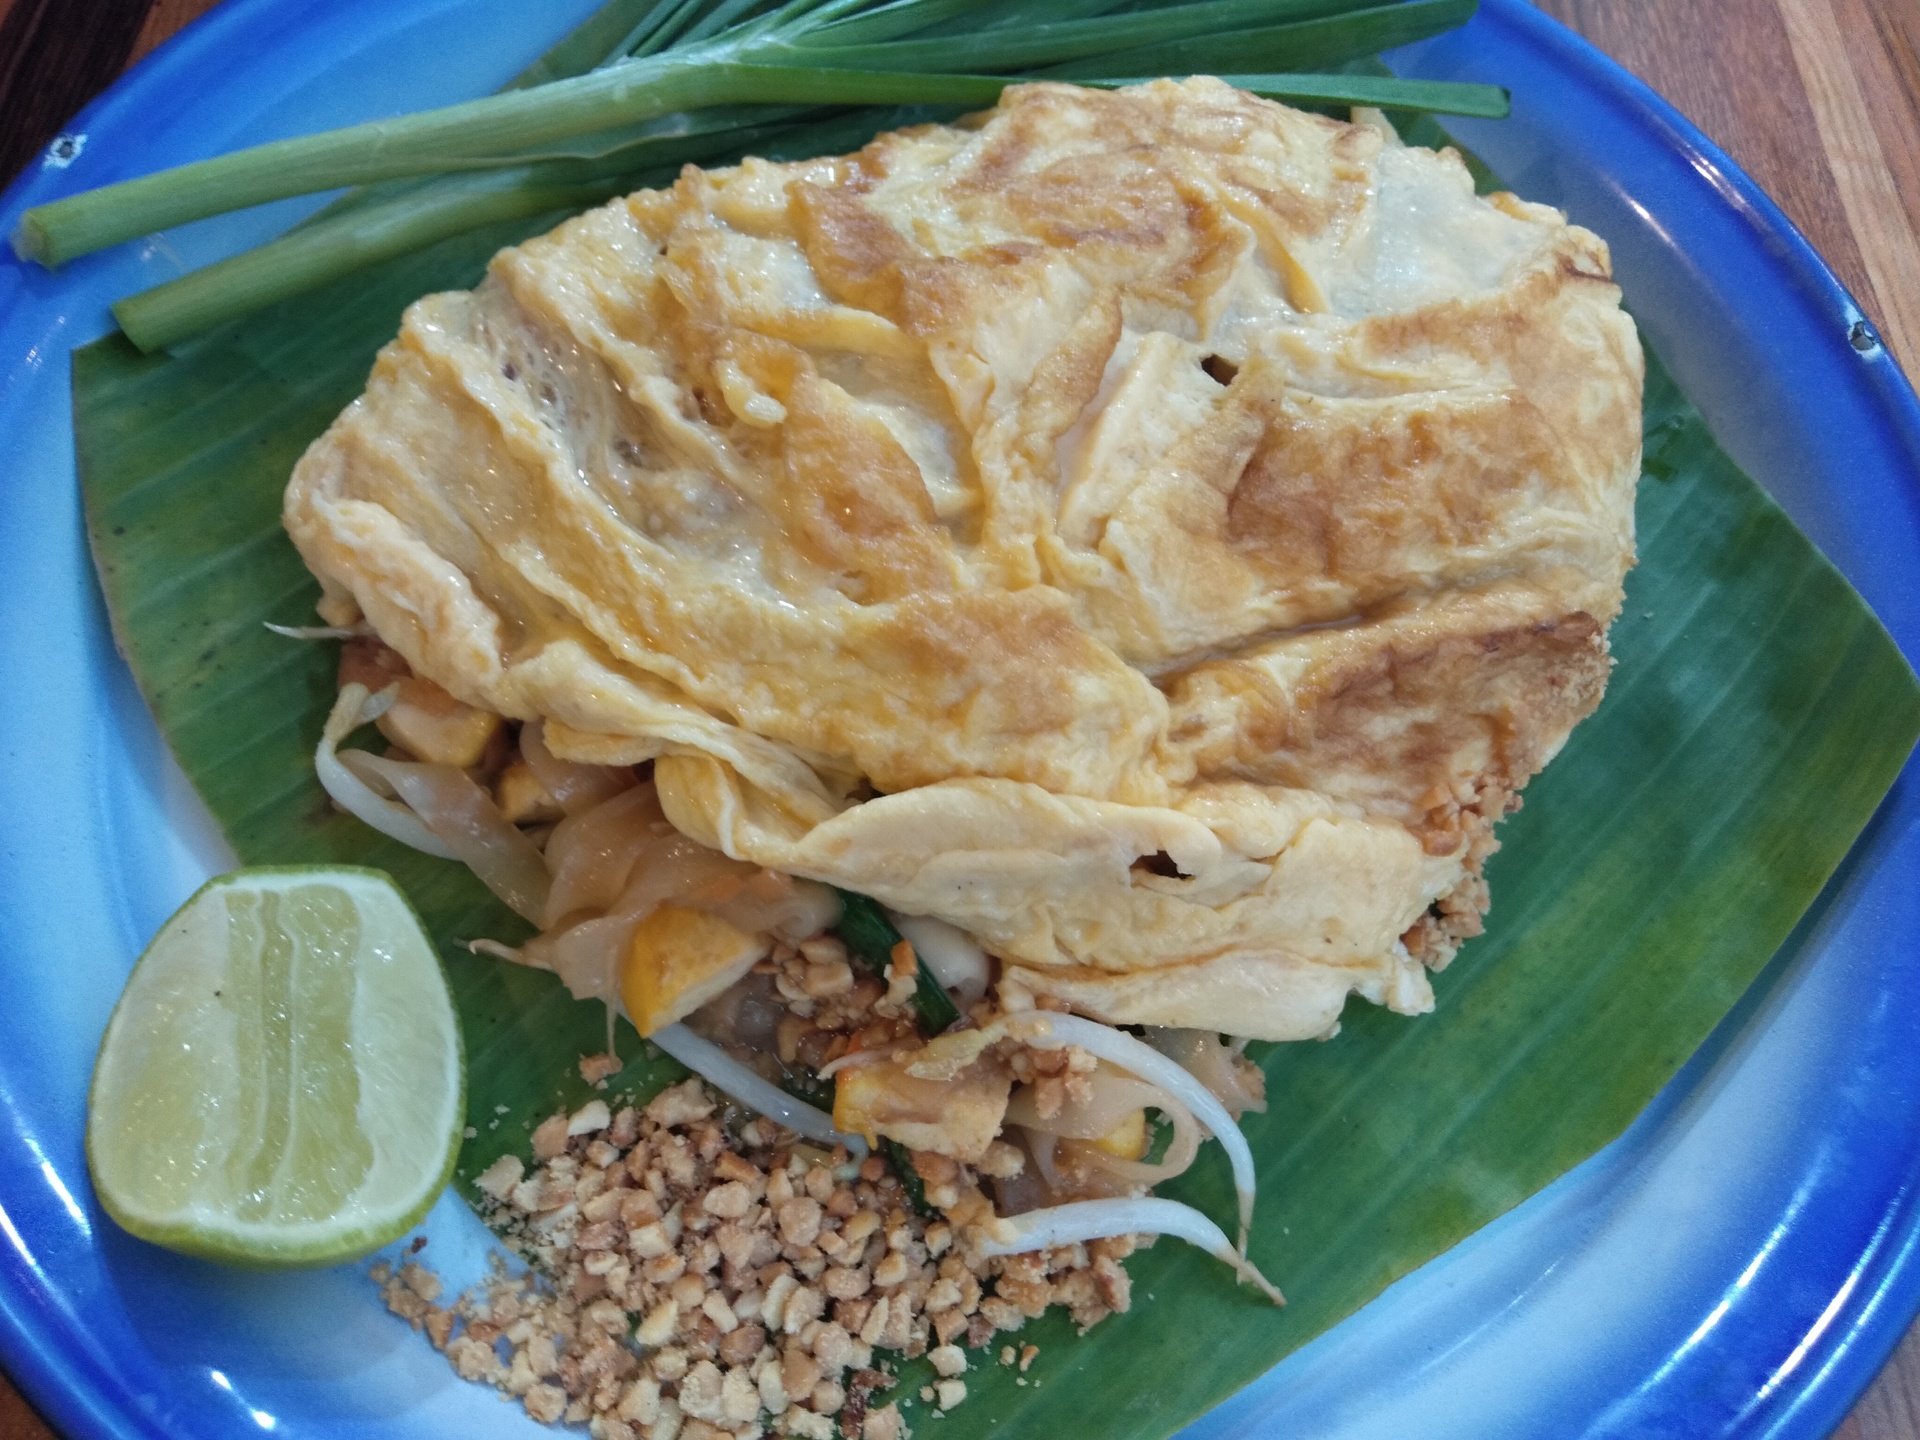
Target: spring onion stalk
355,707
730,1077
335,245
729,65
1050,1029
474,134
1103,1219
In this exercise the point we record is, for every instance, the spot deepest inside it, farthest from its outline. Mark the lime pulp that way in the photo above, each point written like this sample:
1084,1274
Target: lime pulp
281,1082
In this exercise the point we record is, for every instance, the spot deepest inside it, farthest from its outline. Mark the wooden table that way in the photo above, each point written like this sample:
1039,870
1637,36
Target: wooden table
1819,100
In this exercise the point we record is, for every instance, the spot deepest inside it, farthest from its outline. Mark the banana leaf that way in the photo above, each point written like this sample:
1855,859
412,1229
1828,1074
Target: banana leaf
1757,714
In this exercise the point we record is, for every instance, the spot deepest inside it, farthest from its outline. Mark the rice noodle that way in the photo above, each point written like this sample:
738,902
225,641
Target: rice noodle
1046,1029
1044,1135
575,788
464,818
1115,1096
355,706
728,1075
774,904
1181,1152
954,957
1235,1082
1103,1219
1045,1148
592,852
660,865
585,956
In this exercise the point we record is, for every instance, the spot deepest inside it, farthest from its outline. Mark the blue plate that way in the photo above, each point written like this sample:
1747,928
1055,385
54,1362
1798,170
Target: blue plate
1740,1263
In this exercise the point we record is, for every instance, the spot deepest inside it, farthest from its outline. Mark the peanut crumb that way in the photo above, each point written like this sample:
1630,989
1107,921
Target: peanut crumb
695,1274
595,1068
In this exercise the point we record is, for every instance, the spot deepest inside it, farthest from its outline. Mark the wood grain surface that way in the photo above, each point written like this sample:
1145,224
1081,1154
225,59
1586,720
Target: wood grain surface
1818,100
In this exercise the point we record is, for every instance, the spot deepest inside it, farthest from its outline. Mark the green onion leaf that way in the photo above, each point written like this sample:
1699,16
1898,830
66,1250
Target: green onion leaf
1307,45
870,937
1042,44
1443,97
601,35
888,22
901,1159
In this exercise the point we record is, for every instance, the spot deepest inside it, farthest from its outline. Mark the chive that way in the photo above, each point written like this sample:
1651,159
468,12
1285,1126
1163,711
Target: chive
597,38
870,937
1442,97
949,17
1160,1141
1305,45
901,18
669,27
804,1084
1044,44
1009,14
720,19
901,1159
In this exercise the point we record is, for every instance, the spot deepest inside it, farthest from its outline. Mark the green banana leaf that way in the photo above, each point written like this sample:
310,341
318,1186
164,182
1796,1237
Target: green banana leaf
1757,715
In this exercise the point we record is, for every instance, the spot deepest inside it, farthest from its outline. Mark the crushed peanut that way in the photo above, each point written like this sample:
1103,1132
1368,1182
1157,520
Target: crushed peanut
696,1274
594,1069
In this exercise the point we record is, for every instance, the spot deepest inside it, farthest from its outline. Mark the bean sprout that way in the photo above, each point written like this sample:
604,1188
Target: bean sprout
355,707
728,1075
1102,1219
463,817
1048,1029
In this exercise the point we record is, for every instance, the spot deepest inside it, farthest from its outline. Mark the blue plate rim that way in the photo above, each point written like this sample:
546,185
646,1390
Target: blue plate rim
1863,1333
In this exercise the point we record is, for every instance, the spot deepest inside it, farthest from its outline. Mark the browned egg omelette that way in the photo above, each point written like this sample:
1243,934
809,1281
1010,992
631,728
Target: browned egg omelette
1156,531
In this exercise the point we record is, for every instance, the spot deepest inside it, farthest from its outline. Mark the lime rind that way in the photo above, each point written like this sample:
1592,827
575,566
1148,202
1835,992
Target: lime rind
403,1171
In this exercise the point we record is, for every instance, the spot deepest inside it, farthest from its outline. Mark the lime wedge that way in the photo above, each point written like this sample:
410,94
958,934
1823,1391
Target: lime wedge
281,1082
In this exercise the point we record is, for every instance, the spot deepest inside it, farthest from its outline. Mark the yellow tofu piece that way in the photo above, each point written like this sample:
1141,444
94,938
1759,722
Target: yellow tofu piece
522,798
1128,1139
958,1114
431,725
677,960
